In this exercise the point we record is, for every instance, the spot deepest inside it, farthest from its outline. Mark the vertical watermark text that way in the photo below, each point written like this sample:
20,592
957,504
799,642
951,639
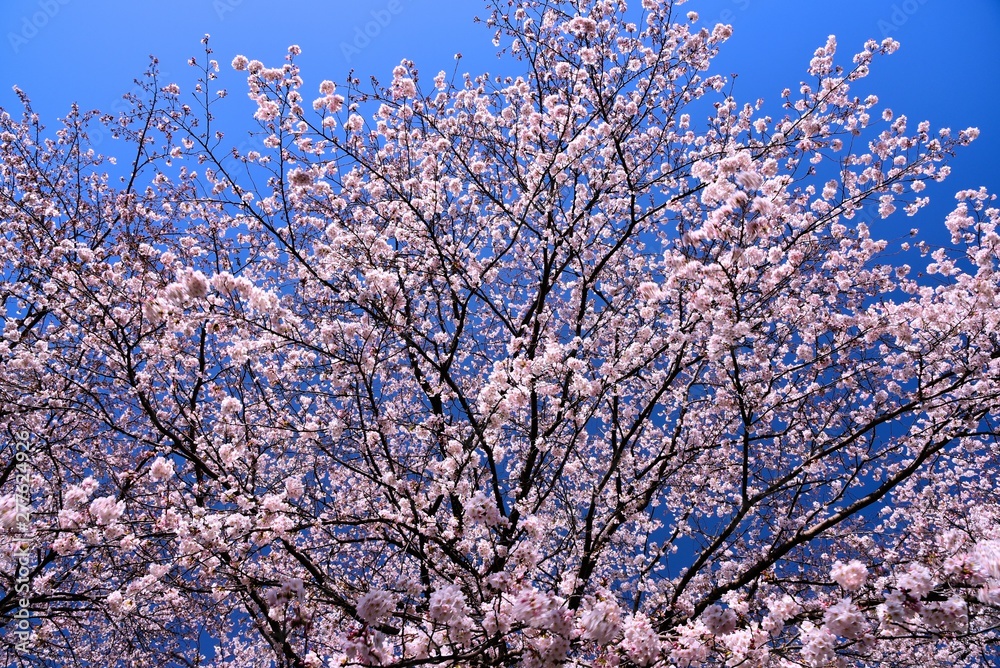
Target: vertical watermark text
23,534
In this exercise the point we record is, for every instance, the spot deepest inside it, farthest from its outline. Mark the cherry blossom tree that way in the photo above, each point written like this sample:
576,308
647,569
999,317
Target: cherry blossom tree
592,364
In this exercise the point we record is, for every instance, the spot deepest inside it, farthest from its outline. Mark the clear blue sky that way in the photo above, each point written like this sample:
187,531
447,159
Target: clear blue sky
89,51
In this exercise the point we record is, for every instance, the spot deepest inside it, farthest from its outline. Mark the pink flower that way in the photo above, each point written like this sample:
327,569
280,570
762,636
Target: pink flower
78,494
531,607
844,619
601,623
267,110
917,581
650,291
818,644
8,511
273,503
375,606
582,26
690,649
481,510
196,284
749,180
640,642
355,123
334,103
719,620
404,87
294,488
106,510
850,576
448,604
950,616
161,469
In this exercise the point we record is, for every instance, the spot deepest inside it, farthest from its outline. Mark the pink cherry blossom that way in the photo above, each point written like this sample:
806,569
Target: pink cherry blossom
851,575
106,509
161,469
375,605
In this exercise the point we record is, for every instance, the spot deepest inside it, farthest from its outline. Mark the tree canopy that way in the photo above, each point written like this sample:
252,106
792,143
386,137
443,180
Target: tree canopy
589,365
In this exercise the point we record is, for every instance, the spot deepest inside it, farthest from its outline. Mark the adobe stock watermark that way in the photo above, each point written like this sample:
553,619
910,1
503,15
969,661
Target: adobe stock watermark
901,13
35,22
22,535
223,7
364,34
728,14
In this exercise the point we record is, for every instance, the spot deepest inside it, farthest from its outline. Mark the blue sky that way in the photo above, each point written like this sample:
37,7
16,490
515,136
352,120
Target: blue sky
89,51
